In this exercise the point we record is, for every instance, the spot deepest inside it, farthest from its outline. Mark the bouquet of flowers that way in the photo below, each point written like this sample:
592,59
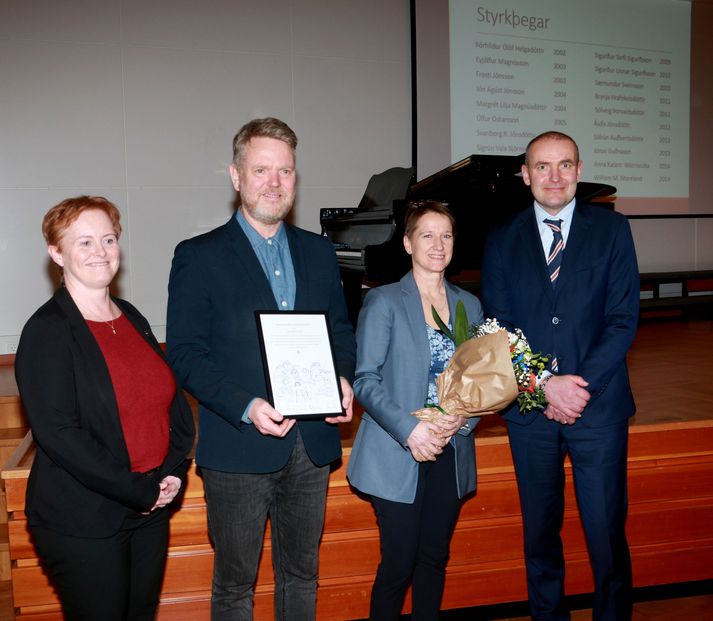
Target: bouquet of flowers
527,365
489,369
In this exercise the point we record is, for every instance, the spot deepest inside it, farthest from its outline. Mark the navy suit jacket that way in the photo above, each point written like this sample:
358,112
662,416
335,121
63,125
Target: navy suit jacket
588,320
81,481
216,284
393,360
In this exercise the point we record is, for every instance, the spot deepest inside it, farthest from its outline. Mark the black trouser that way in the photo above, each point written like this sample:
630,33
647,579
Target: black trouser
415,543
115,578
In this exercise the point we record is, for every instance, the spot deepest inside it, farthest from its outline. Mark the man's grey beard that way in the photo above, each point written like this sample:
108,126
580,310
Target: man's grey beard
267,218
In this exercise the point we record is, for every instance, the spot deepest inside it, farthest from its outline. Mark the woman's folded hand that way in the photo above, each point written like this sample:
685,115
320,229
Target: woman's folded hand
449,425
168,490
426,441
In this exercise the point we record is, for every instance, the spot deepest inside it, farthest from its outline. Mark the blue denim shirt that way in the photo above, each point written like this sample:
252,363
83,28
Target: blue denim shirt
276,261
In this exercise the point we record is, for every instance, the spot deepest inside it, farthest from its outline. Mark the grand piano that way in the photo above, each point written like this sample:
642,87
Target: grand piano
481,190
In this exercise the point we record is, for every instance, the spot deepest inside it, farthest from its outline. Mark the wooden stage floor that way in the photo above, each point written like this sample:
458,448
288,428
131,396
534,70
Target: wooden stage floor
671,369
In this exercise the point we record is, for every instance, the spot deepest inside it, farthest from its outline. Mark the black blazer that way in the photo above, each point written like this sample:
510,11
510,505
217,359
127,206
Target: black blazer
81,481
216,284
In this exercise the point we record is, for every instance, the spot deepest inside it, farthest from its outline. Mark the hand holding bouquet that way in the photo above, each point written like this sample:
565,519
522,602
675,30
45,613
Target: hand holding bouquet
489,369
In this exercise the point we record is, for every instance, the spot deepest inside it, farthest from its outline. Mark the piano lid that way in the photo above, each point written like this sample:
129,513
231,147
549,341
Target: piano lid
490,174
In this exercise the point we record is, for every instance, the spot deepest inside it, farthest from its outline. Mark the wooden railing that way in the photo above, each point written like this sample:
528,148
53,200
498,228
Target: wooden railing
13,428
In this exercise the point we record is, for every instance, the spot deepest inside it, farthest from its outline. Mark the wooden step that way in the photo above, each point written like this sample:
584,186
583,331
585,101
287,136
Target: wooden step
477,543
11,413
5,571
348,597
10,438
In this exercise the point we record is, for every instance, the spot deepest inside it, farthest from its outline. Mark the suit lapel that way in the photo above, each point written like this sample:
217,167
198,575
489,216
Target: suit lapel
250,267
531,247
576,242
452,297
417,324
300,267
132,315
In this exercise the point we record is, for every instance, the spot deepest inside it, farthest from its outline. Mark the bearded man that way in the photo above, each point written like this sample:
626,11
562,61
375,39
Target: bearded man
254,461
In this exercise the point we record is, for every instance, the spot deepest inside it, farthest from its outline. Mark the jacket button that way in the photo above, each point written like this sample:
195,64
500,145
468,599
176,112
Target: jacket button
555,320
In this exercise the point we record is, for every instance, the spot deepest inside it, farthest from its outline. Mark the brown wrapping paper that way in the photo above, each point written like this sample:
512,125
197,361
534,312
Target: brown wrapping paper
478,379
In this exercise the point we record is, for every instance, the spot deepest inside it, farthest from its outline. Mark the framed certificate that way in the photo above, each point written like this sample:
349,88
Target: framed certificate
300,372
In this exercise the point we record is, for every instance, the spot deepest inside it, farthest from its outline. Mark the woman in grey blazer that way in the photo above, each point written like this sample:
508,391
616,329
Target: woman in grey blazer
416,472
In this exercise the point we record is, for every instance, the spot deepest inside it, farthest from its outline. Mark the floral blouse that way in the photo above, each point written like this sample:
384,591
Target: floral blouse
442,349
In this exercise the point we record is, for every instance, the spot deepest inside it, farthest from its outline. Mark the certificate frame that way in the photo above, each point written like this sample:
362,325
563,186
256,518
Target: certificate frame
298,360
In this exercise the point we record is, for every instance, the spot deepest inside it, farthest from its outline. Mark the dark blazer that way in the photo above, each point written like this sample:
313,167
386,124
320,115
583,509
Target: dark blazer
216,284
589,320
81,481
393,359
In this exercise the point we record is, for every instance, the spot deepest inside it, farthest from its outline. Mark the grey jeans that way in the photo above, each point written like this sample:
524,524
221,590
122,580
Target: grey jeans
238,505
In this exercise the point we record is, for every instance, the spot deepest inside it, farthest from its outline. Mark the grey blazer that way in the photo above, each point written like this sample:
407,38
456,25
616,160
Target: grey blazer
393,359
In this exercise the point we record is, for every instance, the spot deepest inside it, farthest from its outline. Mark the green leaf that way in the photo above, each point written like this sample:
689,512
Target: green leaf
442,326
435,406
460,324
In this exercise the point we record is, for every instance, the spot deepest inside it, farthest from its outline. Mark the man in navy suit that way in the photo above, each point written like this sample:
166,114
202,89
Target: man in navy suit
255,462
566,274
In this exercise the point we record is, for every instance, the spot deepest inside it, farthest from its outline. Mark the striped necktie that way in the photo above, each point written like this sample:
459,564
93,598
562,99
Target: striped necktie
554,258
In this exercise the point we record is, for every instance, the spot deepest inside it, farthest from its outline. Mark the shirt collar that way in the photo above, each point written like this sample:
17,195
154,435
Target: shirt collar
254,237
565,214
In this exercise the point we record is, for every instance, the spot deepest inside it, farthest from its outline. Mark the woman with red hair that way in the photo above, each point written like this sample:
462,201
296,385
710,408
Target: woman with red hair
110,422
